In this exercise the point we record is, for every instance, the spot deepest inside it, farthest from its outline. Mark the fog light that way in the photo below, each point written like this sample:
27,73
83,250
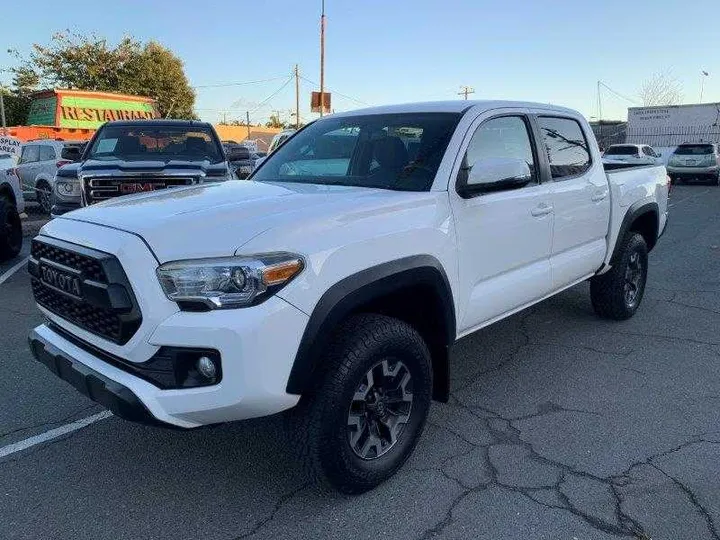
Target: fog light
206,367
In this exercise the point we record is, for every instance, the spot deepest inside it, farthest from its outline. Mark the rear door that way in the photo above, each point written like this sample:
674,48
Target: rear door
504,237
580,198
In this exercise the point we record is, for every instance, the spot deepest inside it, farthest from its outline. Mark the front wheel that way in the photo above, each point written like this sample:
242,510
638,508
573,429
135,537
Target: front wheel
366,415
44,196
617,293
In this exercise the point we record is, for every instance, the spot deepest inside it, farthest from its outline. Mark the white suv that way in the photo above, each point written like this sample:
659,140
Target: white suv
336,279
696,161
39,161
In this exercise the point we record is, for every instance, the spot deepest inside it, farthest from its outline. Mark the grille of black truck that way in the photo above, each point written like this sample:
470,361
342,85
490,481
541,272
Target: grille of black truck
86,287
102,188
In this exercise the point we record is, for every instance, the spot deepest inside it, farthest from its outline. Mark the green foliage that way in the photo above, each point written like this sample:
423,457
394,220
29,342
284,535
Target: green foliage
90,63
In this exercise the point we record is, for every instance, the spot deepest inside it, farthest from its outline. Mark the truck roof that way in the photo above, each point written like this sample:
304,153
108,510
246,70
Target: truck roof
159,122
454,106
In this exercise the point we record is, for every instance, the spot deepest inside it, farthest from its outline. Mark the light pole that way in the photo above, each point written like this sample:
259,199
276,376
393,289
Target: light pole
322,59
703,75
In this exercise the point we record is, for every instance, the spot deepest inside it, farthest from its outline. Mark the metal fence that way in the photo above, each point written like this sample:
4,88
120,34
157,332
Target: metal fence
672,136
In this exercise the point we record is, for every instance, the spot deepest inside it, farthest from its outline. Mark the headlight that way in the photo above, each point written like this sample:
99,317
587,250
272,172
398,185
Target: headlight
67,189
229,282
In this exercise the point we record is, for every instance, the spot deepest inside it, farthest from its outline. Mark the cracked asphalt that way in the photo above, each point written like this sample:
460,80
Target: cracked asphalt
560,426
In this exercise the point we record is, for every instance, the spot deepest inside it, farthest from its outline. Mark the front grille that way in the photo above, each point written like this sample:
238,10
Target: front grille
90,267
102,322
102,188
106,305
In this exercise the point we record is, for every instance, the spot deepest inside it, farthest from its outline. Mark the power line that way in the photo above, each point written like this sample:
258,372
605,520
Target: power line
223,85
328,90
275,93
618,94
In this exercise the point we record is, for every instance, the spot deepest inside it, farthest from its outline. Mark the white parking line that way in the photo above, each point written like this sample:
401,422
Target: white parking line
14,269
53,434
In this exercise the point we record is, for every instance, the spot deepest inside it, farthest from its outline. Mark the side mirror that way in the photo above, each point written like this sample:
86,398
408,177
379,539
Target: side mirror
71,153
496,174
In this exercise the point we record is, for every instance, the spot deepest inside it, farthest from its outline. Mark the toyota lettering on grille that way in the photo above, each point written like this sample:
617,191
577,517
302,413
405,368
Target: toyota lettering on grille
127,188
60,281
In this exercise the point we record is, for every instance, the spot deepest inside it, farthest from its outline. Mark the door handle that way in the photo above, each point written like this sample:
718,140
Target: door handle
541,210
599,196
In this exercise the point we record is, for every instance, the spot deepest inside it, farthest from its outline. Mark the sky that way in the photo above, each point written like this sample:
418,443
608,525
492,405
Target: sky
394,51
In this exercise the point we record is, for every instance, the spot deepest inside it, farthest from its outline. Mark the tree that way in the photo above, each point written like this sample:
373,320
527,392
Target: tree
275,122
661,89
157,72
90,63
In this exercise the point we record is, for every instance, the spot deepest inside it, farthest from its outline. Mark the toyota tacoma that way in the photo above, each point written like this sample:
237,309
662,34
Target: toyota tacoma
334,283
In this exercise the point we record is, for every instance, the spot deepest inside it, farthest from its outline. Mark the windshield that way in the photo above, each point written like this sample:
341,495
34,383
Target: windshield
165,143
389,151
622,151
694,149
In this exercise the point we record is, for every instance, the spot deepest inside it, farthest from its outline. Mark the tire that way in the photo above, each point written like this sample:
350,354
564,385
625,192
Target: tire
341,428
10,230
617,294
44,196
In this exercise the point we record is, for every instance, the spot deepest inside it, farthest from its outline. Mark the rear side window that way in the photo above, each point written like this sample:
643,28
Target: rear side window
566,146
47,153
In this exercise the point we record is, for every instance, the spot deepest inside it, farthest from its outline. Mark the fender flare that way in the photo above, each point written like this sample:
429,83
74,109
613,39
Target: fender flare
353,292
635,211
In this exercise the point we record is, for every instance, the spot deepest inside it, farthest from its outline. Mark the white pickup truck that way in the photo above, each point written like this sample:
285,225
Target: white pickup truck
335,281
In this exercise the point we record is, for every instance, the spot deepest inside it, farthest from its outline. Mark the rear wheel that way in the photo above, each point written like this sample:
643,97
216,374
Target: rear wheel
617,293
10,230
364,420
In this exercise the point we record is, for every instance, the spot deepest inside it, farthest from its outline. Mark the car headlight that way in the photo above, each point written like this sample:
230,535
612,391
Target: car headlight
228,282
67,189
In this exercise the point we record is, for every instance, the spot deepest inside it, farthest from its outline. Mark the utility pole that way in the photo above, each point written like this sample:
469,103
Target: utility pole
703,74
322,59
465,90
297,97
2,111
599,83
247,122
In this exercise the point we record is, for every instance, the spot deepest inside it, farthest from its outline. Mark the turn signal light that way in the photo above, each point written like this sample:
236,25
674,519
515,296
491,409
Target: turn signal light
281,272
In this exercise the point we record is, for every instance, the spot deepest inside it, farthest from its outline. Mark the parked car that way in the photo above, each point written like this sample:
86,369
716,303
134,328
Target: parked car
11,206
136,156
695,161
340,293
39,161
242,160
279,139
636,154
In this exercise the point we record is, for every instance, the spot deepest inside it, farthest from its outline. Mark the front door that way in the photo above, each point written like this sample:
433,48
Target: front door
27,167
504,237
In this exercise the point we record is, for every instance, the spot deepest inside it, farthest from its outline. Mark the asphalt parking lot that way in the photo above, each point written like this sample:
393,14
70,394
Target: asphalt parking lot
561,426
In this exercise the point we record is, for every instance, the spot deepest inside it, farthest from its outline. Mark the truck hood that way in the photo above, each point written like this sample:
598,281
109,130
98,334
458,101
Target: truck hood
213,220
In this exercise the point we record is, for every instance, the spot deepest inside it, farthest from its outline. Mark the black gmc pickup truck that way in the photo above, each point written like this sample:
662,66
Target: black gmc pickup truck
127,157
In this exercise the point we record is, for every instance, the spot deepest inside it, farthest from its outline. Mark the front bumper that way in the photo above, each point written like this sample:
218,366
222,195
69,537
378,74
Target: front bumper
93,384
257,345
60,208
